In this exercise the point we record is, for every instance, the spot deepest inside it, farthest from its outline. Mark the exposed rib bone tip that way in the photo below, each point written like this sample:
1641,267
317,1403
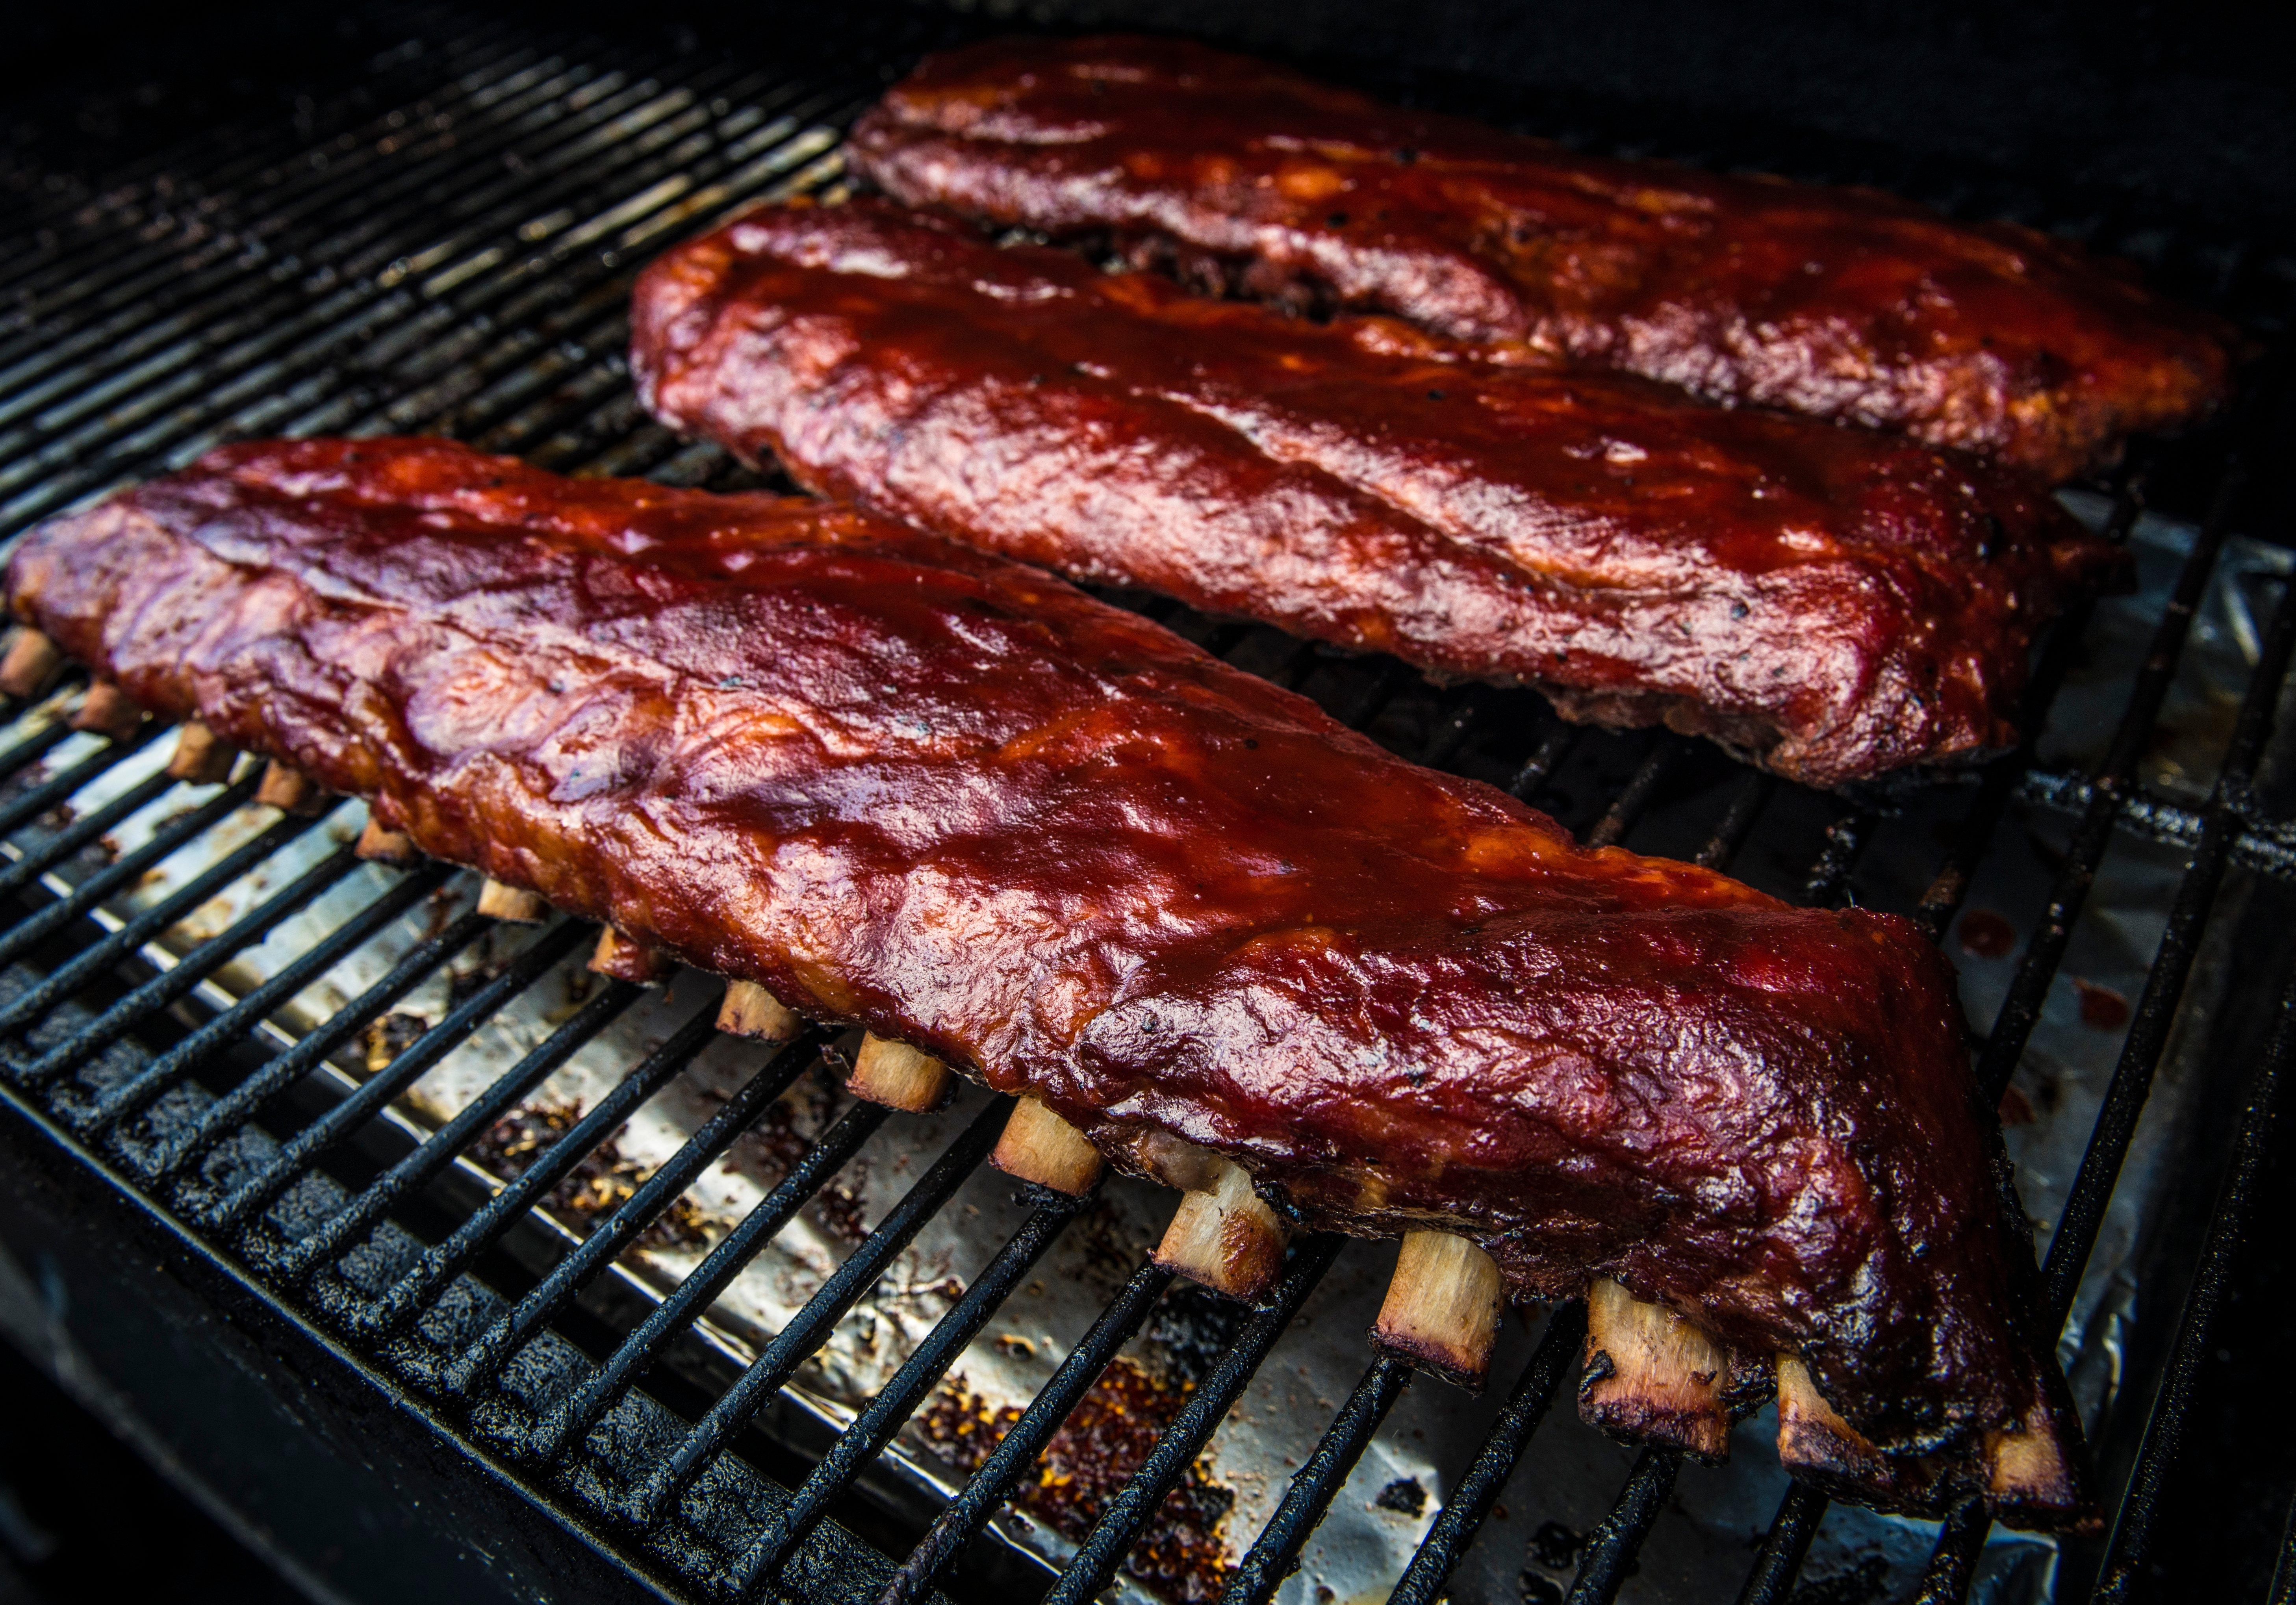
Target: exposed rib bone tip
1817,1444
384,845
109,711
1039,1146
1442,1307
623,959
898,1075
1224,1235
750,1010
31,662
2026,1469
512,904
202,757
290,790
1653,1376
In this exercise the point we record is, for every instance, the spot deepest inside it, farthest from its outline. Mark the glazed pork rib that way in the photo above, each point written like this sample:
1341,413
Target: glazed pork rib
906,785
1827,602
1846,304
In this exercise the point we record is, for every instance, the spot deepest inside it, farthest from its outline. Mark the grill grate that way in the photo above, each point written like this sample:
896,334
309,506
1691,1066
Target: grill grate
459,265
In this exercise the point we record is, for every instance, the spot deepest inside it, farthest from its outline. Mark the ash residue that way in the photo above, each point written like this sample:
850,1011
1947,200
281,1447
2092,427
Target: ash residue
1405,1497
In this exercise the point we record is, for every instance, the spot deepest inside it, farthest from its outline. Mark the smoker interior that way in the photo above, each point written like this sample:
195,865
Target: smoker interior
438,236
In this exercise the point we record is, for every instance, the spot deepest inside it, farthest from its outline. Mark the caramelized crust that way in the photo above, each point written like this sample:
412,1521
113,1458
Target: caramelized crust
1846,304
951,799
1828,602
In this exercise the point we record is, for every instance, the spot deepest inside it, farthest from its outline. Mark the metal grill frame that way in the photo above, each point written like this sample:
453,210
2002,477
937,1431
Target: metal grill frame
539,179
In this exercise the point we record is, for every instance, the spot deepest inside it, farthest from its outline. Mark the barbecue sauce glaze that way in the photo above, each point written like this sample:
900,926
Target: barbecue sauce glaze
949,797
1845,304
1831,603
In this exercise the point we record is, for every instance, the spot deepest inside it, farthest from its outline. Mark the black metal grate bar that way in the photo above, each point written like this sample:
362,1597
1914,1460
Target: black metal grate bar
302,1151
1611,1547
443,1261
1274,1555
81,832
30,804
242,1018
1120,1524
105,955
1953,1562
657,1498
559,1430
483,1360
164,989
439,1149
2164,1427
894,1403
1463,1515
1017,1450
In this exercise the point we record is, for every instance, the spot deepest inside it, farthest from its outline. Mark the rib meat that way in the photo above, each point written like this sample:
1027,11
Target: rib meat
950,799
1847,304
1833,603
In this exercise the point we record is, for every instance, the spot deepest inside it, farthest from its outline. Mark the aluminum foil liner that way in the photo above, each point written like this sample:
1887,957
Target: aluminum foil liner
1571,1474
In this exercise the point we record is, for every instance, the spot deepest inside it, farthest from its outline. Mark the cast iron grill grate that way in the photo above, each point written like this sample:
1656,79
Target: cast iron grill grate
459,265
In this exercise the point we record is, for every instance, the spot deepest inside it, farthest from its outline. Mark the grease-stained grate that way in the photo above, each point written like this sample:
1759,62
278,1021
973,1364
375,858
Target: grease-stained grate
459,265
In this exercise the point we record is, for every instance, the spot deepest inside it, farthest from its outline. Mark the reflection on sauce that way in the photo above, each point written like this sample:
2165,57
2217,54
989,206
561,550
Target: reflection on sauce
1180,1557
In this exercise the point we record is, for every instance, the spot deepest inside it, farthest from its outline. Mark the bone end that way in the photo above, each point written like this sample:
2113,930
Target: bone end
1442,1307
898,1075
1039,1146
1818,1445
108,711
620,959
384,845
31,663
750,1010
290,790
1224,1235
1653,1376
512,904
2027,1471
202,757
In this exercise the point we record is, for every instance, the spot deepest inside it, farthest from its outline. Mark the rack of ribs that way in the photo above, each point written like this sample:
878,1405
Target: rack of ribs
1207,933
1846,304
1830,603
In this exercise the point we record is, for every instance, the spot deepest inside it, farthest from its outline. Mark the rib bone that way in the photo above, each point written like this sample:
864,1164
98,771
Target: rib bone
898,1075
1818,1445
1039,1146
750,1010
108,711
1224,1235
617,956
1653,1376
1442,1307
2028,1467
201,757
29,664
383,845
290,790
512,904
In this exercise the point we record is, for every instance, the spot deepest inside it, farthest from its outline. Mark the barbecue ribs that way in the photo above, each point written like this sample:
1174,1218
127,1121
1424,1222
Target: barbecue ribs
948,797
1827,602
1847,304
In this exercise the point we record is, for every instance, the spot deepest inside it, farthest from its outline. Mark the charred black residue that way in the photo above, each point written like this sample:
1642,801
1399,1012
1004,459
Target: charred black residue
1555,1546
1180,1557
787,1131
600,1182
1404,1496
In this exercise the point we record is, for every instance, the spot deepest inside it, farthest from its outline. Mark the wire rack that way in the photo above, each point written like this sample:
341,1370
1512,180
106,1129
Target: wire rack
458,264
